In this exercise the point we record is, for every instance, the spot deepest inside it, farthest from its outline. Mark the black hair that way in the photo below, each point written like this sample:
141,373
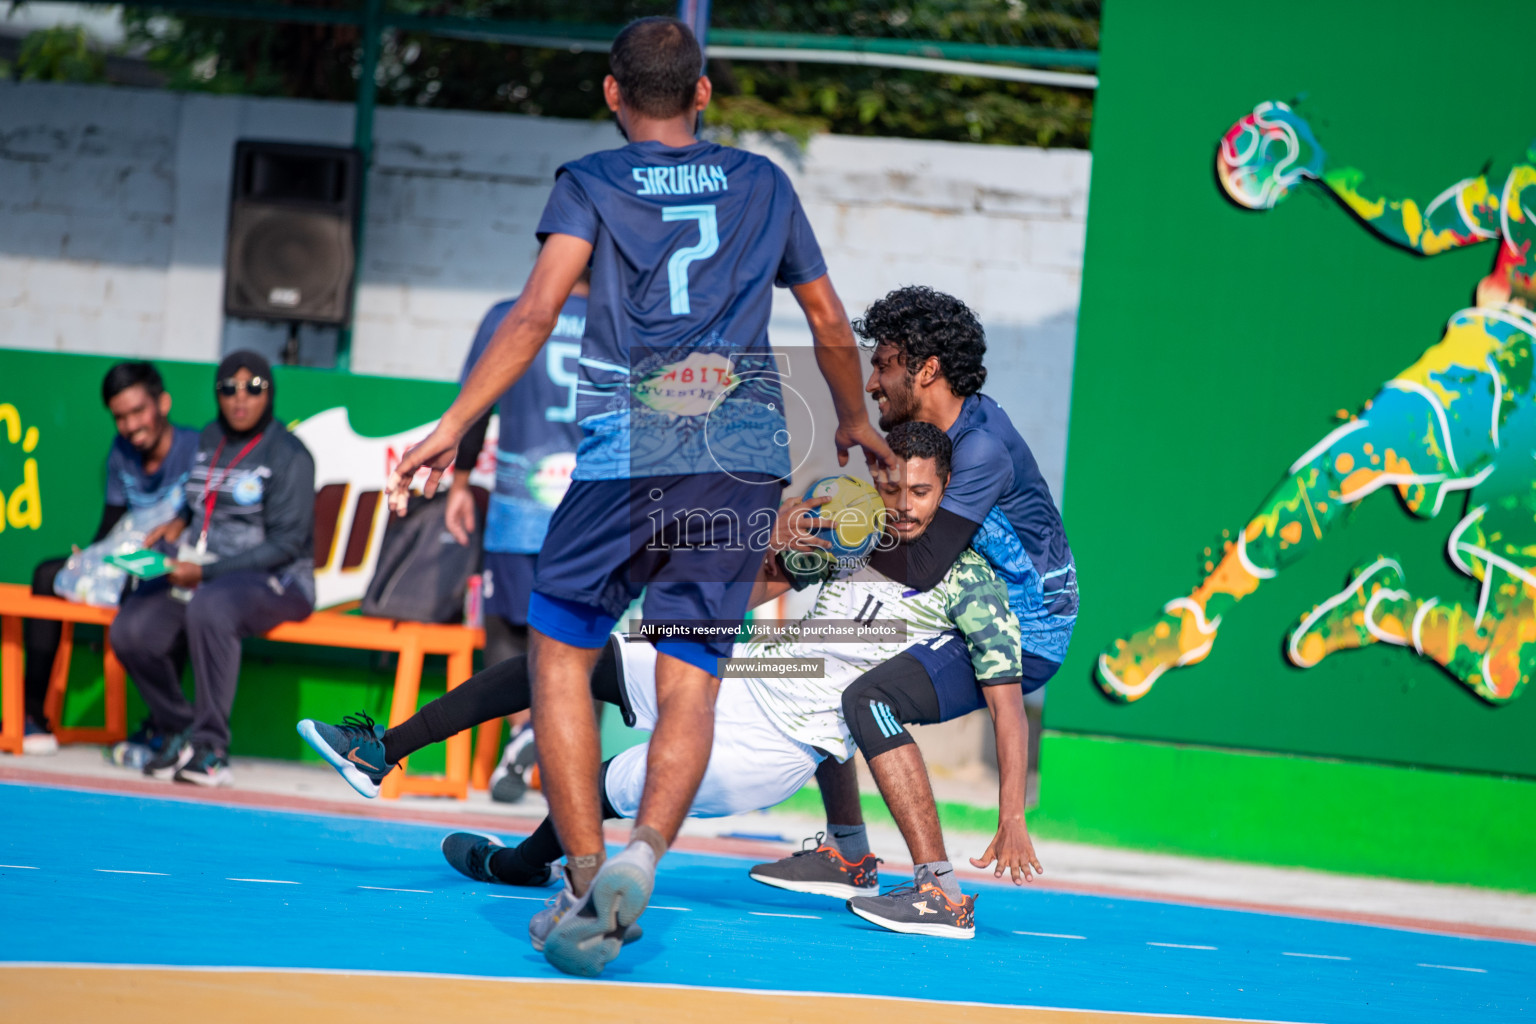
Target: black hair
922,322
657,63
135,372
917,439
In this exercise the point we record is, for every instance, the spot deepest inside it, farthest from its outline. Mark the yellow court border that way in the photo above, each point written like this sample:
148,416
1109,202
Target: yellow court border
142,994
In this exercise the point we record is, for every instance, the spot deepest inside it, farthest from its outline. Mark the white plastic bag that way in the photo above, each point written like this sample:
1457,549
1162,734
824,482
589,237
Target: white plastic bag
88,578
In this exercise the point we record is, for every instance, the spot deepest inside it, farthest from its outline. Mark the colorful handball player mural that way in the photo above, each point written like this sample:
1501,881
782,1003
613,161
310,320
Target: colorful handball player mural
1461,419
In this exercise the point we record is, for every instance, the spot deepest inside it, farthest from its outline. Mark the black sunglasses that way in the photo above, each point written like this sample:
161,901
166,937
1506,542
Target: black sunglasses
230,387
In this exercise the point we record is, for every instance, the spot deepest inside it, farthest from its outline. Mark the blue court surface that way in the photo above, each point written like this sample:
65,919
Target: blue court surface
101,878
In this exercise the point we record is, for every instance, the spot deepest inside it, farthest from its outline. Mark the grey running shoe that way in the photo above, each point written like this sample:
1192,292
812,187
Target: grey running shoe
510,779
919,908
542,923
585,934
821,871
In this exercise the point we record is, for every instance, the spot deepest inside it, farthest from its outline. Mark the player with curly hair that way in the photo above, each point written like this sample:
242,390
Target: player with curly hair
927,356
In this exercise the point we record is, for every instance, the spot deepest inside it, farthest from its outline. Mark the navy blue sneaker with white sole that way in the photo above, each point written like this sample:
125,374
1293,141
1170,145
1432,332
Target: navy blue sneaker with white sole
355,748
470,853
206,767
172,757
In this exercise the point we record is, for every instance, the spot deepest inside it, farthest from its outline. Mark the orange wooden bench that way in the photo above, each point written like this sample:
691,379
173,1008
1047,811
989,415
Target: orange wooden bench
411,641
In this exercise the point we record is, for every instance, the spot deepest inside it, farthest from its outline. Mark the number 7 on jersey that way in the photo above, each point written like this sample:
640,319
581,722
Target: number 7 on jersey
677,266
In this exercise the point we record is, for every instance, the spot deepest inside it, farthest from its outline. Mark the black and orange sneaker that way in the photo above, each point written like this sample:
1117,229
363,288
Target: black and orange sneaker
821,871
919,908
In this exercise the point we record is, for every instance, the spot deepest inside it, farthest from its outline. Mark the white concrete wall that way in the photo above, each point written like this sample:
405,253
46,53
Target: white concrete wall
113,206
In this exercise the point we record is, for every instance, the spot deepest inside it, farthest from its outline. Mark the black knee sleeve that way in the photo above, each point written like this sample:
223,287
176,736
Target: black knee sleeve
879,704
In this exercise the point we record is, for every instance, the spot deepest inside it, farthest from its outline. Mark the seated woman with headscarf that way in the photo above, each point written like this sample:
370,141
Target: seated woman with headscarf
245,565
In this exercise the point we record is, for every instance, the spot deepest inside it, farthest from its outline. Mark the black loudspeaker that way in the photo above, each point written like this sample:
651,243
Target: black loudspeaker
292,232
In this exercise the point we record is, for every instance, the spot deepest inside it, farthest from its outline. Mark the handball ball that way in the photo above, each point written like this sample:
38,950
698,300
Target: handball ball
856,511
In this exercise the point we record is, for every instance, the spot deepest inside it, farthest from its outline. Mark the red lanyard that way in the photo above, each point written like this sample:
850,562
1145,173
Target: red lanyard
211,488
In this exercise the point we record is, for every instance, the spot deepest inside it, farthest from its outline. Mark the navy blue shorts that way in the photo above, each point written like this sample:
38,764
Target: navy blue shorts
507,581
692,543
948,662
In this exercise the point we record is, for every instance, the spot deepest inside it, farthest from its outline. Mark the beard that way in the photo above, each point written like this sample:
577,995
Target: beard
898,409
152,442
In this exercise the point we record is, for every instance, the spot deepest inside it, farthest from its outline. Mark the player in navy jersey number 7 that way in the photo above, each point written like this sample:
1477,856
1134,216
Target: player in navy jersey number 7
683,450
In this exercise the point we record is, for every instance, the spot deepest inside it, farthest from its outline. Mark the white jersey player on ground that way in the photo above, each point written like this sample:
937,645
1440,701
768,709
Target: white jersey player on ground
772,729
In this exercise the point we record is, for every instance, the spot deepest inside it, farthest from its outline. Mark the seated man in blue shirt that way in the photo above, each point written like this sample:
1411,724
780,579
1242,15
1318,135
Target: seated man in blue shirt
147,465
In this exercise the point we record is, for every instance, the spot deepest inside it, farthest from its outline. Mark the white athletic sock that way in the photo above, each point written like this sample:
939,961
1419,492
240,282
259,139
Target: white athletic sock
852,841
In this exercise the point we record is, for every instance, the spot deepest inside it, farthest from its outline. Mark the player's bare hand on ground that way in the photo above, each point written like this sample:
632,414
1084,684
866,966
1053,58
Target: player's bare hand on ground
437,453
169,531
460,513
865,436
1013,851
794,529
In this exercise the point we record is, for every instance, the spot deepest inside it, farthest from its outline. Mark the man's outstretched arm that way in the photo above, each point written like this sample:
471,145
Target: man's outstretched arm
1011,848
837,356
1464,214
979,610
513,347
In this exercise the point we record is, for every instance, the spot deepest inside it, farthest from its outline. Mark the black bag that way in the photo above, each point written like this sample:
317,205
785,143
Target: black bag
422,571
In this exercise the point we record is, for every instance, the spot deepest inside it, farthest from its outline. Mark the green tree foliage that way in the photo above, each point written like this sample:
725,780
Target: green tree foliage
417,69
58,54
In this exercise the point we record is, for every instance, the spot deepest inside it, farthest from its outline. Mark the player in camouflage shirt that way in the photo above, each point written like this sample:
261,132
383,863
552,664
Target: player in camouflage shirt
970,600
771,731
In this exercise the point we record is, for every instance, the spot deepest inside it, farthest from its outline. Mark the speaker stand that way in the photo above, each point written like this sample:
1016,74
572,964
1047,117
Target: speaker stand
291,347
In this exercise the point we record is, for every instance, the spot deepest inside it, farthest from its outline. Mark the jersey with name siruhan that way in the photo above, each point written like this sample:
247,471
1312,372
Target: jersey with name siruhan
677,376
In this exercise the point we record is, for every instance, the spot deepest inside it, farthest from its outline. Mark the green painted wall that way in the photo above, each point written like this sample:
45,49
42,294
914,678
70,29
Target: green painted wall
1349,817
1216,344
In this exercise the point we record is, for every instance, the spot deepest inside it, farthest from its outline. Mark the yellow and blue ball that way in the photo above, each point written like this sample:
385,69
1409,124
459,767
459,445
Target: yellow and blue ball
856,511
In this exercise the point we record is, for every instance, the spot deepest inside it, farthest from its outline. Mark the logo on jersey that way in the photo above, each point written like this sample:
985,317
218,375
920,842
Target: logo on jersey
688,388
247,490
550,478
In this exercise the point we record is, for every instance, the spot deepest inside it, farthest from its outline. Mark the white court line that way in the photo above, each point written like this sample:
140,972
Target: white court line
802,917
1316,956
386,888
120,871
1051,935
545,899
1178,945
19,867
266,881
1448,967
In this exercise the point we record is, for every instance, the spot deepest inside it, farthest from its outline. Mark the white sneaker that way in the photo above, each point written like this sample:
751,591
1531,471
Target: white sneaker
37,740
